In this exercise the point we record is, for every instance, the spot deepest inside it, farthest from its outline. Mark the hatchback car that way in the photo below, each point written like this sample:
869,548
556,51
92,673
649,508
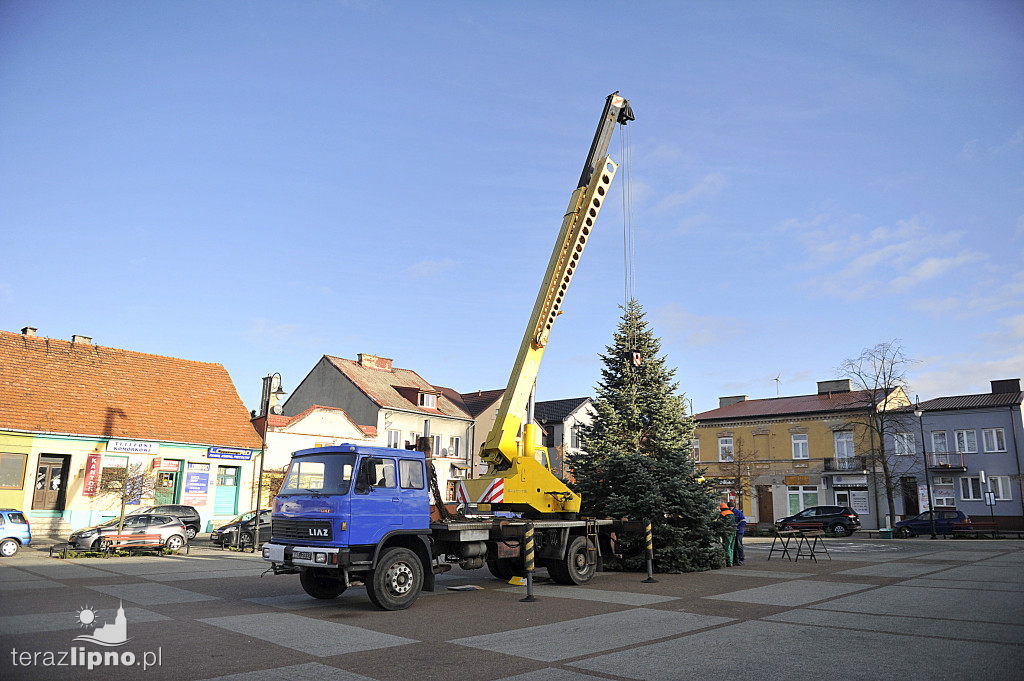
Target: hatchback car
227,535
171,530
14,532
945,518
186,514
839,520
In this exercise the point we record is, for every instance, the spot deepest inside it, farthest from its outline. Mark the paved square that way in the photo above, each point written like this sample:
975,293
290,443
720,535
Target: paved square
311,671
586,594
945,628
151,594
315,637
59,621
772,650
589,635
940,603
893,570
799,592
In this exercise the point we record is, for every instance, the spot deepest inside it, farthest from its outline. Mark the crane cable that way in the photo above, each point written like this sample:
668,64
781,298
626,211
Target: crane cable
628,238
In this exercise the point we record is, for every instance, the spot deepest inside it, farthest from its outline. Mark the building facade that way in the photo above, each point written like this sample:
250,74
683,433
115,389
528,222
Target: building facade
75,416
563,421
778,456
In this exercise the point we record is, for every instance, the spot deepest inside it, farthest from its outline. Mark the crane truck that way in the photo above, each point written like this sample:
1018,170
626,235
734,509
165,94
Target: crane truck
358,515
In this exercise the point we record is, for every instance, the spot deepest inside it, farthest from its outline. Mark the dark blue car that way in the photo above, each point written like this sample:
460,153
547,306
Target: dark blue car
922,524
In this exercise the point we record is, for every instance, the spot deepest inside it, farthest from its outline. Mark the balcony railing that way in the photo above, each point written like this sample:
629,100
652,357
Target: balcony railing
846,463
947,460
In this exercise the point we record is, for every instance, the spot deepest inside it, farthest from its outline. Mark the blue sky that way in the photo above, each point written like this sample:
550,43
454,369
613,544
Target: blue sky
261,183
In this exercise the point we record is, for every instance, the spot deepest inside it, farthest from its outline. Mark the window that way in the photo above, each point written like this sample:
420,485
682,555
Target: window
800,446
844,444
993,439
414,438
435,445
227,476
800,497
12,470
999,485
428,400
939,445
394,439
696,450
411,473
575,437
970,488
382,472
903,444
455,446
966,442
725,449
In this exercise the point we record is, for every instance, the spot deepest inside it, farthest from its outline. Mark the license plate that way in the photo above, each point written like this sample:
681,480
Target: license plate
303,555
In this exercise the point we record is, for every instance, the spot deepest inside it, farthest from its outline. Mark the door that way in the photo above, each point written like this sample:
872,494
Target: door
843,498
765,507
226,497
166,491
51,483
376,507
911,507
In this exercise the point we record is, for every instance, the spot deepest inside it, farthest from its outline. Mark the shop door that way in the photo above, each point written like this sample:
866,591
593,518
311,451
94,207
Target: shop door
911,507
166,491
765,507
51,482
225,501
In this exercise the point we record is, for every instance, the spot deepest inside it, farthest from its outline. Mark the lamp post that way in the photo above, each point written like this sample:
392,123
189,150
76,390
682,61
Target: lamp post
268,391
919,413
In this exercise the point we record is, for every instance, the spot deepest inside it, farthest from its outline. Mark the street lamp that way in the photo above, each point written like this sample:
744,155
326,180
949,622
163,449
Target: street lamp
268,391
919,413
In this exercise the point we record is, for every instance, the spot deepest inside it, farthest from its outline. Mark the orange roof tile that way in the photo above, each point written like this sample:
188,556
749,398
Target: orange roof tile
55,386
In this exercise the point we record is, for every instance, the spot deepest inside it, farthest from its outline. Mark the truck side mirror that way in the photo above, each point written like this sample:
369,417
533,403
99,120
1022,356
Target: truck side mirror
364,480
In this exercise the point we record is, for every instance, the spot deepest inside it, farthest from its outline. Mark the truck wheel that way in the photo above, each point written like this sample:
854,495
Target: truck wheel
504,569
573,569
396,582
321,587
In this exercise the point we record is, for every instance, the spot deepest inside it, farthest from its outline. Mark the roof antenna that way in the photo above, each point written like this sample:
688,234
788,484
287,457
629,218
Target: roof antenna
777,383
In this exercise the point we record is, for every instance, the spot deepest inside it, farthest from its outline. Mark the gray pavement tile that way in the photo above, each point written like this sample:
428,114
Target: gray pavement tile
294,601
315,637
959,556
589,635
59,621
799,592
983,572
27,584
311,671
768,574
13,574
893,570
151,594
62,569
916,626
203,574
589,594
775,650
938,602
930,582
551,674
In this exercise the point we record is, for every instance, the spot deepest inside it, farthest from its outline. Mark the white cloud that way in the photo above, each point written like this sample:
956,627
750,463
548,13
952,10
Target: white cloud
710,185
984,298
675,323
430,268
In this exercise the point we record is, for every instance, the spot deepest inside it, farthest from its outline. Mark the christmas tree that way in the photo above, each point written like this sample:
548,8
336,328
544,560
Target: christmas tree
636,461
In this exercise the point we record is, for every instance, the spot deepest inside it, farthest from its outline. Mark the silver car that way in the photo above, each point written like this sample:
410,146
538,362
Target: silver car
171,530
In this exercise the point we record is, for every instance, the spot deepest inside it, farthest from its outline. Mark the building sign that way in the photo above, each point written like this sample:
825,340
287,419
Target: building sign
160,464
92,475
850,481
199,467
197,483
859,503
725,482
229,453
132,447
798,480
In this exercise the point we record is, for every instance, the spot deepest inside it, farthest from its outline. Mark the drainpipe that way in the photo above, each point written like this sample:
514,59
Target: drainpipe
1015,419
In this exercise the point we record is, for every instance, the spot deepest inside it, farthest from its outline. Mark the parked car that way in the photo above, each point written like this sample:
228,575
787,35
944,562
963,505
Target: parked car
227,535
186,514
839,520
14,532
171,530
945,518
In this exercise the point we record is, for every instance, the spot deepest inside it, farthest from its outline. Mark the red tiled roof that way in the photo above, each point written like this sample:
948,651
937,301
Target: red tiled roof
384,387
783,406
55,386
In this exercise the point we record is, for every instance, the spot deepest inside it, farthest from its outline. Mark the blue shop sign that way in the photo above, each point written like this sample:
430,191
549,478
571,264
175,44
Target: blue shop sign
196,482
230,453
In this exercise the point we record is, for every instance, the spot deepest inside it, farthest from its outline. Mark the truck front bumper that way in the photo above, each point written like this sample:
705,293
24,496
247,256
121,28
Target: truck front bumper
305,556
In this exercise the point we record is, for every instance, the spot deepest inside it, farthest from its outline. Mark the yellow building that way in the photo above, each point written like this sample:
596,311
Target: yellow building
779,456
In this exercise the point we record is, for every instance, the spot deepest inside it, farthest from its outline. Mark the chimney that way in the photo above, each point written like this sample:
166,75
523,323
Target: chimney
843,385
1006,385
81,339
29,331
726,401
374,362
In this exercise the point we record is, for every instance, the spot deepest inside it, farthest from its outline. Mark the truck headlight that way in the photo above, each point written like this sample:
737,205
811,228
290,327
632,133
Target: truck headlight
266,552
320,558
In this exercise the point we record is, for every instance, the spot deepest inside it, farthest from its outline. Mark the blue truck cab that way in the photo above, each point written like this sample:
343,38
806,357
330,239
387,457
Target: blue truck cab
352,514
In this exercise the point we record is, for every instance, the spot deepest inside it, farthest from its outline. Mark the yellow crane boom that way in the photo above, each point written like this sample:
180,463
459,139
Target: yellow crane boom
515,479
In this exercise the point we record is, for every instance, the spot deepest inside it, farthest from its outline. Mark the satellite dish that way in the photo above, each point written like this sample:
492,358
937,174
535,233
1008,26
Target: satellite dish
276,409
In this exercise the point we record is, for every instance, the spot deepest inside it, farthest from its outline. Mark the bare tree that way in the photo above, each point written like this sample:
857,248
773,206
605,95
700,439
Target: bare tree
739,468
125,485
880,372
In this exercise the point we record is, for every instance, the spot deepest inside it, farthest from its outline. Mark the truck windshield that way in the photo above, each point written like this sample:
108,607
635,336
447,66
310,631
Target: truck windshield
319,474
